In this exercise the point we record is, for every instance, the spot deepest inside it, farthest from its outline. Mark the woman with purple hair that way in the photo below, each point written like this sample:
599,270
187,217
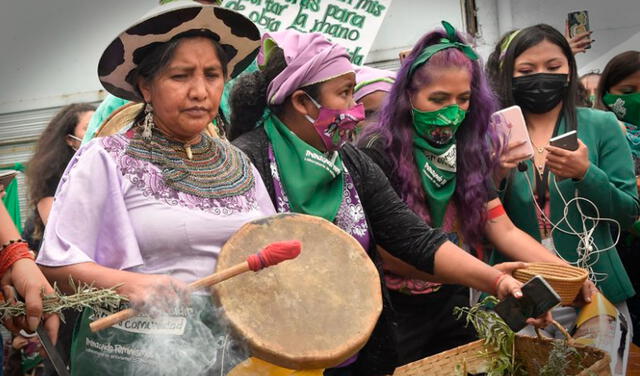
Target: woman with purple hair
295,116
434,142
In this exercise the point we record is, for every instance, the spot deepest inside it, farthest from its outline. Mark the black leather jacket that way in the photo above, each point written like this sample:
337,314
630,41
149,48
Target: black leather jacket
392,225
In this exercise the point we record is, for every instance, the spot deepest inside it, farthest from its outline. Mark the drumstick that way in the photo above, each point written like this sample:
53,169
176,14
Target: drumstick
270,255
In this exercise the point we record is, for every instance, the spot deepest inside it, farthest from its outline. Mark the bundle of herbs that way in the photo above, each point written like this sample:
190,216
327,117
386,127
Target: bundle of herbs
500,345
498,338
84,296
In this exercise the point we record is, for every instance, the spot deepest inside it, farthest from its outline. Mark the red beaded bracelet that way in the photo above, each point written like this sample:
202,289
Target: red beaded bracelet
12,253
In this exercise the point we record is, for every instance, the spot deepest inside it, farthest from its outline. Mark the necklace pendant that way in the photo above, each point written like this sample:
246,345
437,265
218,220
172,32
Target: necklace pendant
187,149
540,150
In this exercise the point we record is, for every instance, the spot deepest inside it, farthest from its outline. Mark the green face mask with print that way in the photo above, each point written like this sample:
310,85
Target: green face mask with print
440,126
626,106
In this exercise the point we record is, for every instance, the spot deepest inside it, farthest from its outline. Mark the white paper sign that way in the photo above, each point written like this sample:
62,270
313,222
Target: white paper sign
351,23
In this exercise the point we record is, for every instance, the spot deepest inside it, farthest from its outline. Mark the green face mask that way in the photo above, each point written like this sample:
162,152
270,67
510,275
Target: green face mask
626,107
438,127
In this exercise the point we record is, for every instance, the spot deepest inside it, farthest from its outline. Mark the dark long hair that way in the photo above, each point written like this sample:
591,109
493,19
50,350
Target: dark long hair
476,140
620,67
248,99
501,74
52,155
493,67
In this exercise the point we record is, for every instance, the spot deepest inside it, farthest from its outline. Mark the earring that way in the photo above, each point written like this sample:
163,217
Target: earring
221,126
147,123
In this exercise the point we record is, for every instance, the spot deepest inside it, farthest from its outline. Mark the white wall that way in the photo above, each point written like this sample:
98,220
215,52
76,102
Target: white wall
49,50
407,20
488,27
615,24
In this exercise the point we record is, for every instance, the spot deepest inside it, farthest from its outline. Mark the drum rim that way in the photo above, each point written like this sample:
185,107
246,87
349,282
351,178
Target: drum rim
261,350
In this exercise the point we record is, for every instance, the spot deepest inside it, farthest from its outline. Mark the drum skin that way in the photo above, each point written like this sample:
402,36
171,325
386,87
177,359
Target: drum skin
315,311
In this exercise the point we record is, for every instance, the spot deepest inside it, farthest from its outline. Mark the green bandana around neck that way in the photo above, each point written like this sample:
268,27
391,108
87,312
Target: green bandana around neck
626,106
446,119
437,169
313,183
451,41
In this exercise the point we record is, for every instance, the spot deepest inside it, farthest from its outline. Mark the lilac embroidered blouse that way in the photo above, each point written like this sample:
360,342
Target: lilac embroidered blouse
117,211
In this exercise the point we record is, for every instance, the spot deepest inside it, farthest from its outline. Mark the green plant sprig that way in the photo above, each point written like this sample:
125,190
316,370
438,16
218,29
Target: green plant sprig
84,296
498,338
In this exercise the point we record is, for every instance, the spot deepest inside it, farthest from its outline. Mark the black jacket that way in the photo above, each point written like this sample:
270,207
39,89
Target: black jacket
391,223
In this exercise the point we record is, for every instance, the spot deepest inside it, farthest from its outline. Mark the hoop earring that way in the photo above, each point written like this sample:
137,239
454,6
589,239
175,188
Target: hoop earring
148,123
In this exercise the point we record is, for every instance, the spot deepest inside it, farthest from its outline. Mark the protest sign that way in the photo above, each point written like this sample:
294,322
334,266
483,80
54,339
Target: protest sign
351,23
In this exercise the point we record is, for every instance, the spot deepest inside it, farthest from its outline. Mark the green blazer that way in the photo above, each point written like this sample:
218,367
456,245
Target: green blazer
609,183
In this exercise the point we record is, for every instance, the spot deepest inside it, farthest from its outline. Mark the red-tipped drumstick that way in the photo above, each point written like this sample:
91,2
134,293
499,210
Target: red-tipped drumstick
270,255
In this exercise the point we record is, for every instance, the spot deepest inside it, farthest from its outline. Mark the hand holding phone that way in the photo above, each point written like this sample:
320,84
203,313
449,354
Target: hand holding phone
537,298
578,31
568,157
510,123
566,141
403,55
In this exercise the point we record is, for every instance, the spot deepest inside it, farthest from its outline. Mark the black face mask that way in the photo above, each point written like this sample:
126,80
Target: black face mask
539,93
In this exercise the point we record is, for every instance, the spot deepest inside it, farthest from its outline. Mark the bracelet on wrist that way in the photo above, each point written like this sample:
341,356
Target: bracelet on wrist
12,241
499,280
12,253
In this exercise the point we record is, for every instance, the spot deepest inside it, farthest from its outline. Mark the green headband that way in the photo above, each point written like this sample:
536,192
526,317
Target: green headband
507,42
451,41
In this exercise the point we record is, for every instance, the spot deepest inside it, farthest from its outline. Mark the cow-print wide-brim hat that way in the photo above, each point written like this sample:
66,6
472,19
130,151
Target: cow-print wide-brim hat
236,34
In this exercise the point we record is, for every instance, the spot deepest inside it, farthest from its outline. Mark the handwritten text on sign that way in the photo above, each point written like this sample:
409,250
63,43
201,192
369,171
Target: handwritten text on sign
352,23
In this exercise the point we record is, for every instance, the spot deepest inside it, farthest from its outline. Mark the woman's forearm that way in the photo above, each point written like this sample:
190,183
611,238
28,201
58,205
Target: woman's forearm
517,244
454,265
398,267
161,290
87,272
44,208
8,230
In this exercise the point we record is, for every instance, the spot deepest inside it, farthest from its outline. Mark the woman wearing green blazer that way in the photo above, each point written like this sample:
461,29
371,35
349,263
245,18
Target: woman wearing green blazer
562,197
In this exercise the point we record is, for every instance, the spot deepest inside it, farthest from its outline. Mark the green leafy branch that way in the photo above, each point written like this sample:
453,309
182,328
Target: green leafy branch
84,296
496,335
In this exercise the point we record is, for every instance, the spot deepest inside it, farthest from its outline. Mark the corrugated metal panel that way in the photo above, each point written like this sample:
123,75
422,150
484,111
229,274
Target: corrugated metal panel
19,132
393,65
24,126
23,196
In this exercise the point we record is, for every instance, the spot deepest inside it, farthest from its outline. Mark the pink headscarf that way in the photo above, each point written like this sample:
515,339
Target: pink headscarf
310,59
369,80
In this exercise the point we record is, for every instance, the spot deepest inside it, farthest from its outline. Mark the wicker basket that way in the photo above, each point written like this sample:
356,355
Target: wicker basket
565,279
531,353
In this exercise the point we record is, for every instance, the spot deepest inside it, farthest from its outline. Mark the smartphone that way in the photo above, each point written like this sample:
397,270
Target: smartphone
578,23
537,298
6,177
510,123
567,141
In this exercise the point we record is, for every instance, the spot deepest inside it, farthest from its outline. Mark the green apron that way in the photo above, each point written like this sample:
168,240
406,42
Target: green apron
189,341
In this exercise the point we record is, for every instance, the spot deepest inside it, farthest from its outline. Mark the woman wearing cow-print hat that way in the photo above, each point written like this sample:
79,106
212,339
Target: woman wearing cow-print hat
148,210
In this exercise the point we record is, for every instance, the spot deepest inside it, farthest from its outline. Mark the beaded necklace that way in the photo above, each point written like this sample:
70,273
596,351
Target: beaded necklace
215,170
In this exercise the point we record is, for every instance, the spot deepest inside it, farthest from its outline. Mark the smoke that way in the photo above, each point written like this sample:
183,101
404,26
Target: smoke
192,340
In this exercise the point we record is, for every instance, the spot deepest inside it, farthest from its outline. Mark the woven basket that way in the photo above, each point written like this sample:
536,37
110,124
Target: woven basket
565,279
530,352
